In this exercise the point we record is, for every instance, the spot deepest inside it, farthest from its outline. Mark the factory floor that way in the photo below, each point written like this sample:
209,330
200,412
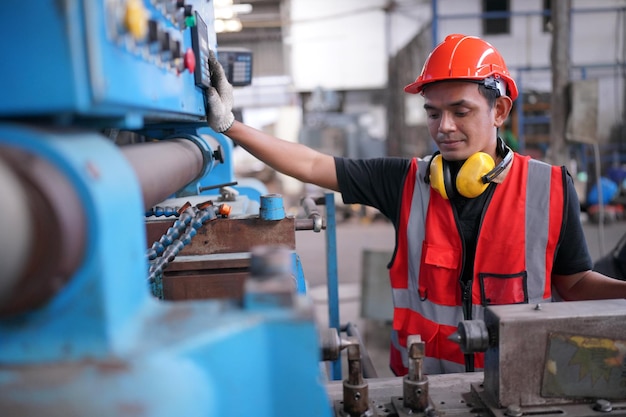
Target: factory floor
364,247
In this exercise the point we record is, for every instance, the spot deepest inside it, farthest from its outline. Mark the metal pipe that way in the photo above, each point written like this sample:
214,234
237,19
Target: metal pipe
47,238
16,230
55,235
312,213
164,167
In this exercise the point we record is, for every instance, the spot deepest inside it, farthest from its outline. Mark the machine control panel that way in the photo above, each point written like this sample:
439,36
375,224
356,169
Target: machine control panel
237,63
122,63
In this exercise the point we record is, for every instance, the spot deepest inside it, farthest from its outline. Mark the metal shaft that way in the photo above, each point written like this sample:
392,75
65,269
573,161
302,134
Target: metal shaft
415,383
48,244
355,388
51,241
164,167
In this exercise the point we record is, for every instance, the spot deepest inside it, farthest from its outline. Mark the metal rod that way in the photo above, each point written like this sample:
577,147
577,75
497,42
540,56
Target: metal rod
312,213
164,167
53,242
213,187
331,272
369,371
304,224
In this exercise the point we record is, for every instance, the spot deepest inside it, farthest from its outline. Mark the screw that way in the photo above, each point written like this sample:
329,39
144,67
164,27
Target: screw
602,405
514,410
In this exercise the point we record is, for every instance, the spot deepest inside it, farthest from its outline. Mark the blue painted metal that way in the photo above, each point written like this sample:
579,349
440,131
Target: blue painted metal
209,161
332,275
90,326
225,172
272,207
71,61
299,274
103,346
435,23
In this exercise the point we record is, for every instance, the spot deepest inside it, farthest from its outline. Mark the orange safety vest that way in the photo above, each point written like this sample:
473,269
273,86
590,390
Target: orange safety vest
517,241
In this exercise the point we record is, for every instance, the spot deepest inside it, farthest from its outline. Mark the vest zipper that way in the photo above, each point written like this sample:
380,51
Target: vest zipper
466,287
466,299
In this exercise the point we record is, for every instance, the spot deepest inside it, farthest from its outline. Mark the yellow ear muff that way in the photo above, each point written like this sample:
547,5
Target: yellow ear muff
469,181
436,176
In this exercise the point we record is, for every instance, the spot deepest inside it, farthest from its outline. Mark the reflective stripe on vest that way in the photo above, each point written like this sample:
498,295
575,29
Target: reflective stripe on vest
414,310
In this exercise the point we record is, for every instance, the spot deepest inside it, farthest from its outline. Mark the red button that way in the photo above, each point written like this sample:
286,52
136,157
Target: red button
190,60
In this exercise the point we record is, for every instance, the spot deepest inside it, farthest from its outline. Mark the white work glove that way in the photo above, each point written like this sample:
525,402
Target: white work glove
219,110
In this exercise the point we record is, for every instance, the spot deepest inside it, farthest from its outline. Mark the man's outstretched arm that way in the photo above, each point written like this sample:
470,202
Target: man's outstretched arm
293,159
588,285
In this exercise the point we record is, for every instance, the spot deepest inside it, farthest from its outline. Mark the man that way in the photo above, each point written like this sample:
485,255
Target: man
476,224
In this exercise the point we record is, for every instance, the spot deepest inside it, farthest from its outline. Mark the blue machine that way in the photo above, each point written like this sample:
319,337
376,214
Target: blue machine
80,333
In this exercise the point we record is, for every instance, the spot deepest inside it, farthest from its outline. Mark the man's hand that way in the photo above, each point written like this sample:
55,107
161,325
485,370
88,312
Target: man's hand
220,116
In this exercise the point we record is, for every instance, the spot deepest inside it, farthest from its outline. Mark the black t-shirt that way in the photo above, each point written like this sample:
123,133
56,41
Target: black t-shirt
378,182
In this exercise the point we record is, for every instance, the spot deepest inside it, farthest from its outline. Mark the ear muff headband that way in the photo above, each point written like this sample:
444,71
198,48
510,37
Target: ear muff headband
506,160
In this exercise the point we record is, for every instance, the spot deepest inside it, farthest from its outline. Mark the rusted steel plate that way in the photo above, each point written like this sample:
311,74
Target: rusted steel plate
225,285
230,235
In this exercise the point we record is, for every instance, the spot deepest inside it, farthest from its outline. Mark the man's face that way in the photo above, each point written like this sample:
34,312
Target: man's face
460,120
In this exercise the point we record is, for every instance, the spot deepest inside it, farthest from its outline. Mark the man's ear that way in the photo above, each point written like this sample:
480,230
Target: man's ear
502,109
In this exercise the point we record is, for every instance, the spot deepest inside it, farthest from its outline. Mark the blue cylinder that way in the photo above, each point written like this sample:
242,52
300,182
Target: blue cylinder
272,207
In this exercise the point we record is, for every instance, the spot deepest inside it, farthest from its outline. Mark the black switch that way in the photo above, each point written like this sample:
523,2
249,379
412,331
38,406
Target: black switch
176,50
165,41
153,31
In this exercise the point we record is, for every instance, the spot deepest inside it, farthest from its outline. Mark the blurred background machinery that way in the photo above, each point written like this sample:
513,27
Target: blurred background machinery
141,278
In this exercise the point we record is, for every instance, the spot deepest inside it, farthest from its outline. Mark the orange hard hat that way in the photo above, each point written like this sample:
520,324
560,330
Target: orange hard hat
462,57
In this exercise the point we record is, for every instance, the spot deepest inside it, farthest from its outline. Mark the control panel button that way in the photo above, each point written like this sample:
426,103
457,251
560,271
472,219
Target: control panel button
135,19
190,60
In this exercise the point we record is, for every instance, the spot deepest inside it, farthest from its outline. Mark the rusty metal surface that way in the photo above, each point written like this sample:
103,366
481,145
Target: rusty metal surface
461,395
589,408
212,263
230,235
450,394
226,285
515,368
584,367
216,262
218,276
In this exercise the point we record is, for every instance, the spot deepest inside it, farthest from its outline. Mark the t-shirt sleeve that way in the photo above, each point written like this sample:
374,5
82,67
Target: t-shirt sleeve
572,255
375,182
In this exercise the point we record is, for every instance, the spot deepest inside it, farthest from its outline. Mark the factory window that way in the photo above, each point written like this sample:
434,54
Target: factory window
547,15
498,20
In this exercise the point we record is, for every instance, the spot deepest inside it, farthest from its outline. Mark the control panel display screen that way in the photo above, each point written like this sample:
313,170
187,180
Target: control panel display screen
200,44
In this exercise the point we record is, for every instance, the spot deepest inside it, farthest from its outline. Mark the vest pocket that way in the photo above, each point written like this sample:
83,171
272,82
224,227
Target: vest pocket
498,289
439,274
